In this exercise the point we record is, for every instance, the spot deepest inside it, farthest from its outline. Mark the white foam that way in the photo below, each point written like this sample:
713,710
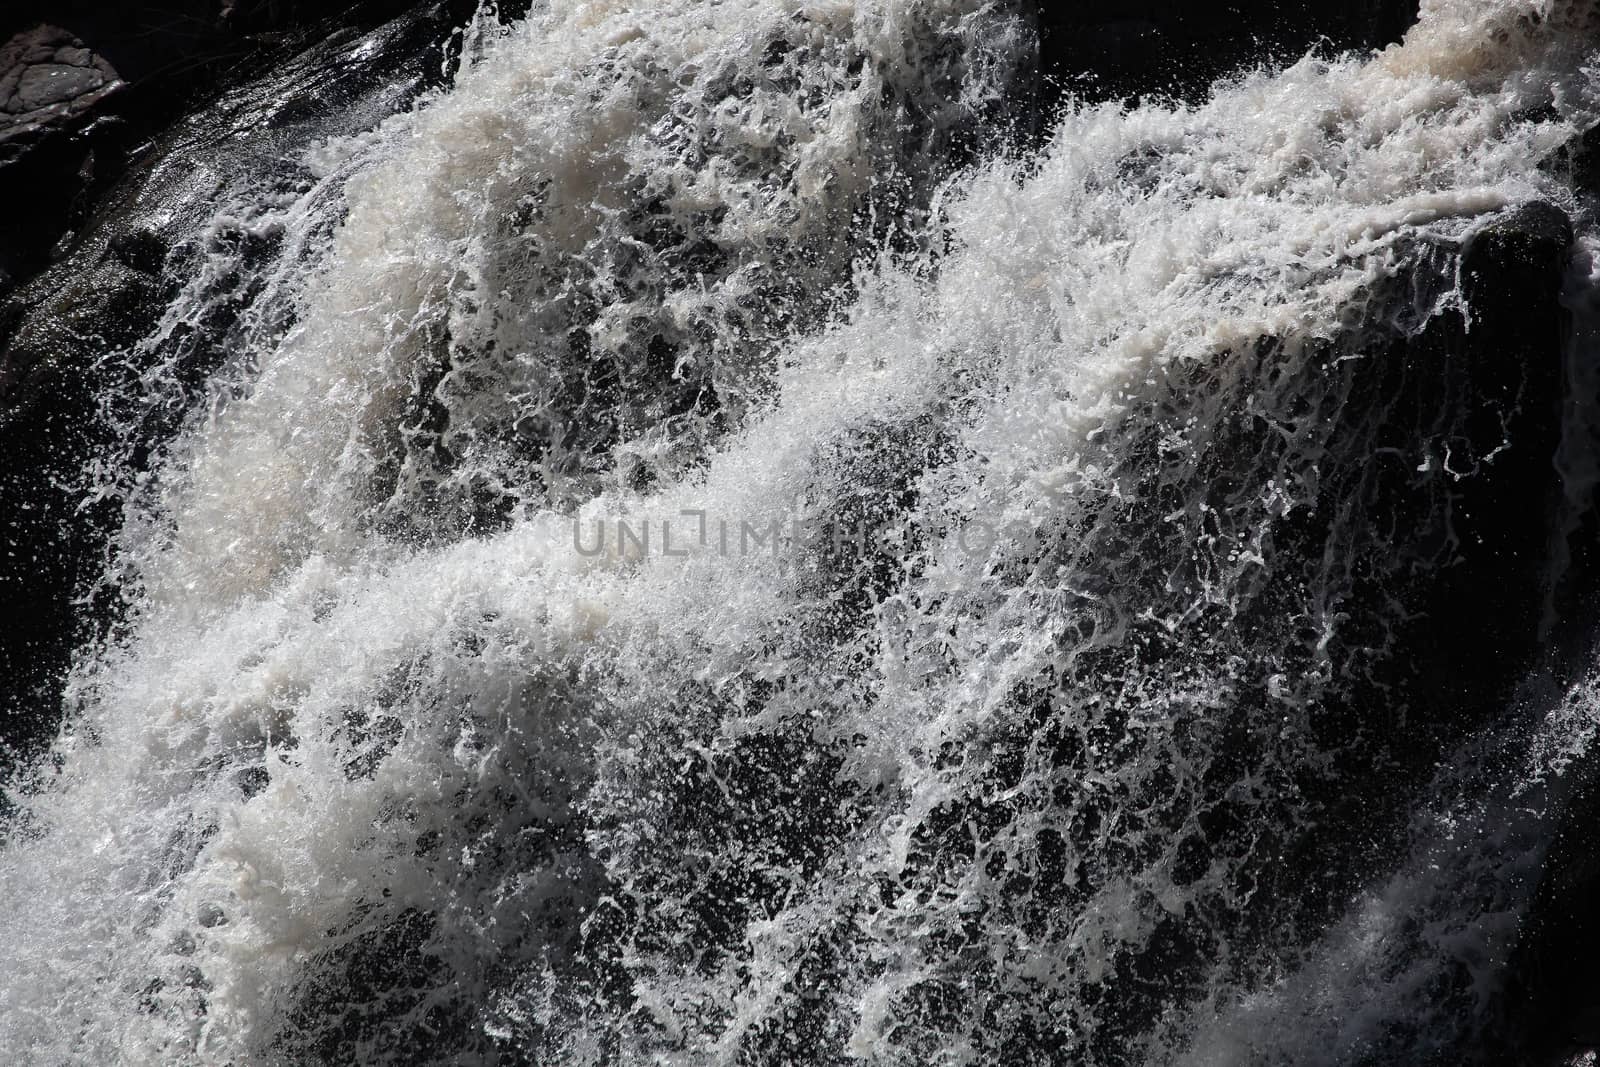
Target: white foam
346,702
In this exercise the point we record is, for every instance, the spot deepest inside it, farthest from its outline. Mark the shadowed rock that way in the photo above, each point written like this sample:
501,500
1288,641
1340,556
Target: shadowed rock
46,76
1169,47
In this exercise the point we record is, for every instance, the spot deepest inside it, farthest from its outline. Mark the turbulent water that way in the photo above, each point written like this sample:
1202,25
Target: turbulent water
709,547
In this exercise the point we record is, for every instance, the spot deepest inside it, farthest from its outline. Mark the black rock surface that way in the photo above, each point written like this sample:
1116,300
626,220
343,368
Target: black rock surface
1178,48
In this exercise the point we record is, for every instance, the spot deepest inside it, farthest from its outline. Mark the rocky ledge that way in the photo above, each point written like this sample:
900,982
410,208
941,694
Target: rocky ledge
47,76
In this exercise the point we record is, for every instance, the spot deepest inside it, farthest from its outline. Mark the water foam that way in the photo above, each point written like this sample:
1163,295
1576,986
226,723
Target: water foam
387,767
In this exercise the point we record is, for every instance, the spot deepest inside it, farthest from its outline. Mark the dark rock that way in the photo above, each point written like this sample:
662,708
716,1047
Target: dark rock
1512,273
105,308
1553,1004
1550,1004
1549,1007
48,78
1432,656
143,65
1179,47
47,426
45,84
1479,633
142,250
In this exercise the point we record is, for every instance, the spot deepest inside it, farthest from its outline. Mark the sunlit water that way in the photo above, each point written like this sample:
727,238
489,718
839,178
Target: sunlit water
469,710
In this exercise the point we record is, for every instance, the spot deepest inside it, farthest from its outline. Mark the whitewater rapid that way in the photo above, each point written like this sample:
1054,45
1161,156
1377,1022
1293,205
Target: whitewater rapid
383,765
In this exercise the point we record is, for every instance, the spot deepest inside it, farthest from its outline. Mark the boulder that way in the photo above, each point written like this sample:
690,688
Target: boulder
48,77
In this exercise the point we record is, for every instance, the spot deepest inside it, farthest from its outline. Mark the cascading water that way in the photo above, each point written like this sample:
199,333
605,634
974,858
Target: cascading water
694,555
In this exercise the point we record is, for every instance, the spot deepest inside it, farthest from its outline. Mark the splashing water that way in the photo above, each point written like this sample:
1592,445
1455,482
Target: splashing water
389,766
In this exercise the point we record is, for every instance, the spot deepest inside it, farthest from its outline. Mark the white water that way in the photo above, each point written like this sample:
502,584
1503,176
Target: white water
386,769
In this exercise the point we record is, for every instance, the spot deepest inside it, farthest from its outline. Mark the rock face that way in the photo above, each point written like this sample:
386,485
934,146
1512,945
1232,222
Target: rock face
83,85
47,75
51,89
47,426
1178,48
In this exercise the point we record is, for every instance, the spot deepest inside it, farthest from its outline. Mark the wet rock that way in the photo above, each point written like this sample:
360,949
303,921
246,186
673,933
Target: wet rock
1512,273
1549,1006
44,84
1554,999
1428,653
108,201
50,345
1179,48
143,250
53,93
48,76
155,61
108,307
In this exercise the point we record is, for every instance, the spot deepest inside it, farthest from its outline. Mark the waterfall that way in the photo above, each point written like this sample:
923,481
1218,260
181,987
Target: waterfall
703,544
